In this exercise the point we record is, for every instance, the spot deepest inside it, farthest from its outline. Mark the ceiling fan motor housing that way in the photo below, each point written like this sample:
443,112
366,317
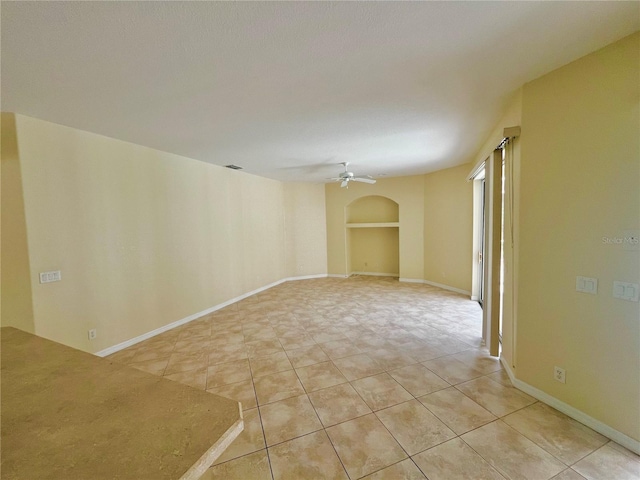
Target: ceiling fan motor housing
347,176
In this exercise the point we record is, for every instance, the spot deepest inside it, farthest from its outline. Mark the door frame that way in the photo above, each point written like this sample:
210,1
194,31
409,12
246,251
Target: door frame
478,233
493,253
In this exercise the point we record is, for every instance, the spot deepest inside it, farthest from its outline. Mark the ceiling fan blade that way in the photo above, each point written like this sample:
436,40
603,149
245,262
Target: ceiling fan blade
344,183
335,179
363,180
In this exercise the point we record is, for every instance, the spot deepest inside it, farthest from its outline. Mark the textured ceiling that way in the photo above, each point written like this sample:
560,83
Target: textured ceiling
287,90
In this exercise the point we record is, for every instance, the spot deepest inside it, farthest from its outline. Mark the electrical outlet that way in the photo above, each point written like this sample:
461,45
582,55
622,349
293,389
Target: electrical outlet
587,285
93,333
559,374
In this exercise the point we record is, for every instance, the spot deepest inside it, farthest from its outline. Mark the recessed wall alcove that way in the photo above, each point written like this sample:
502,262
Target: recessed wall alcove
373,236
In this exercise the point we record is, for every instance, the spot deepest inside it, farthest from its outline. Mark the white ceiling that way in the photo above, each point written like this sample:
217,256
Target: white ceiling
287,90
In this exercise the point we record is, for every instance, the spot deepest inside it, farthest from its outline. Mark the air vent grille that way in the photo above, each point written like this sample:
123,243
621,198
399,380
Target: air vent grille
233,167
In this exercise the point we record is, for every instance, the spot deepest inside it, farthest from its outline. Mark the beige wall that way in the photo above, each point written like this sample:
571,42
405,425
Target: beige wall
375,250
373,209
408,193
448,224
435,217
580,182
145,238
16,306
512,117
305,226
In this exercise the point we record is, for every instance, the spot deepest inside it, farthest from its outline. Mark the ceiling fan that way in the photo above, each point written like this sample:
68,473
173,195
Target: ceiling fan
347,176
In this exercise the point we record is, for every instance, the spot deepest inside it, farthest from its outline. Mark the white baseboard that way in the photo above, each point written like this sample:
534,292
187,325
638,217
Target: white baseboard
305,277
337,275
374,274
580,416
448,287
598,426
177,323
434,284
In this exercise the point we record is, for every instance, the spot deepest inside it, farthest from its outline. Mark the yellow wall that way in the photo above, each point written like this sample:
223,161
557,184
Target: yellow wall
580,182
372,209
448,224
144,238
305,225
375,250
408,193
435,217
17,309
512,117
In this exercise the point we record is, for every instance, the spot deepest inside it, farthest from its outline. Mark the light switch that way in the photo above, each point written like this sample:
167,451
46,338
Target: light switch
626,291
587,285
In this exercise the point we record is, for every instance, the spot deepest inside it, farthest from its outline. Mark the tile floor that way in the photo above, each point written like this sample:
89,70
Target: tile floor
372,378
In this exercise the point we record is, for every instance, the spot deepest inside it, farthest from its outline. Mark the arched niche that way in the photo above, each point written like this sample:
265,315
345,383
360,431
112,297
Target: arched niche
372,209
373,236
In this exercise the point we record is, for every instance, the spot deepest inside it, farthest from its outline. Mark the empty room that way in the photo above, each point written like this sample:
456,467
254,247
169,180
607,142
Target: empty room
320,240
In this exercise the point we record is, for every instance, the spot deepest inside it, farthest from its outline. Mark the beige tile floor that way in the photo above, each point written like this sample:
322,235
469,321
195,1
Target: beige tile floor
372,378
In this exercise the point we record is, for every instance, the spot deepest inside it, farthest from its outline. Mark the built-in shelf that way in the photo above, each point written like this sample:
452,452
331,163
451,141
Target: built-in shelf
373,225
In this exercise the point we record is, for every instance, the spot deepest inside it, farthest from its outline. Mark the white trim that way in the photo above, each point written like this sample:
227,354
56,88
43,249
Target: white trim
476,271
305,277
373,225
477,168
580,416
507,369
177,323
337,275
435,284
447,287
411,280
374,274
474,298
153,333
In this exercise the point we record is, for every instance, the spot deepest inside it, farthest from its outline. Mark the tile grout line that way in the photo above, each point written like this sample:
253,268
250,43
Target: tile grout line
250,316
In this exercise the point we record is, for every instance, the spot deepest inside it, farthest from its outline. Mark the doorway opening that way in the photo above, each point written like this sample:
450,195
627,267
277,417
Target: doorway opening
482,228
479,222
488,240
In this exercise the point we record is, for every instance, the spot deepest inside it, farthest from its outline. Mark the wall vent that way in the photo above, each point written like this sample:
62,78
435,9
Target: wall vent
233,167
